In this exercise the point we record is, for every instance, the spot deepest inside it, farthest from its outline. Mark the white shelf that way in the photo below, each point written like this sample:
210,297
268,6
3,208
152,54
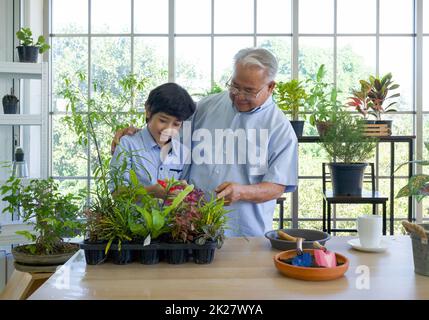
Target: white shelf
20,119
21,70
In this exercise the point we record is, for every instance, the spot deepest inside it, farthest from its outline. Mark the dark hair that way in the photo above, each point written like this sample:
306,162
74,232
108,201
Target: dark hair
171,99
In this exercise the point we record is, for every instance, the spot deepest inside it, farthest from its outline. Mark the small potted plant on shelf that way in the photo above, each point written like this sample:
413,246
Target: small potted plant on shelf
290,97
29,51
53,216
322,101
10,103
371,100
349,148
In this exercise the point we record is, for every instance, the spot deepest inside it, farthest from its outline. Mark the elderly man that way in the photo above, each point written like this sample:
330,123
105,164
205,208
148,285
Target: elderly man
243,146
251,188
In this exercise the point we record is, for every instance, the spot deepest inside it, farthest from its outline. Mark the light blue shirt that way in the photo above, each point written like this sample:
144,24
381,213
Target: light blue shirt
218,112
144,155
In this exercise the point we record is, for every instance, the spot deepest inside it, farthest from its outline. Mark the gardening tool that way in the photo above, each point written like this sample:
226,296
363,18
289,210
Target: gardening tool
416,229
284,236
323,257
302,259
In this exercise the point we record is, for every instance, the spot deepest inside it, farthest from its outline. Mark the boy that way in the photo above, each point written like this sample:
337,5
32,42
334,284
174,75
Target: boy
155,152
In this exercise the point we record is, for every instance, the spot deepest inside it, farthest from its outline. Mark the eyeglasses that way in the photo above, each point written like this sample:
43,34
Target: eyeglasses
247,94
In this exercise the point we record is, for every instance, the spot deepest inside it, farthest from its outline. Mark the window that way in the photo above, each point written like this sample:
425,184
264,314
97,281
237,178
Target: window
108,39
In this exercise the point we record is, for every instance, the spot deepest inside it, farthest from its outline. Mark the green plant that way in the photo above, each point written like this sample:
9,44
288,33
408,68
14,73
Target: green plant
211,226
377,95
290,97
215,88
112,208
418,184
322,98
360,100
25,36
345,141
52,214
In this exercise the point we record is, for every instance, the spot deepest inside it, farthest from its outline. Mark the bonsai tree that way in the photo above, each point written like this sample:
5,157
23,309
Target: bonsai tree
26,37
52,214
290,97
373,97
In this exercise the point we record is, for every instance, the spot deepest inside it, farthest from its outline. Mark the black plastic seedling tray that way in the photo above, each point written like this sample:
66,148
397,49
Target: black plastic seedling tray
172,253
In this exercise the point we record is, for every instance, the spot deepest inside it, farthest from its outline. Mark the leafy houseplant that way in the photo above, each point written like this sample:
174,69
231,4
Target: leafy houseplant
290,97
348,147
28,51
418,184
52,214
360,100
372,98
418,187
322,101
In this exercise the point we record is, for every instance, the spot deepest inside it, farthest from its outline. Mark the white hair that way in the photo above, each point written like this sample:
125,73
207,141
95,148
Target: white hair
259,57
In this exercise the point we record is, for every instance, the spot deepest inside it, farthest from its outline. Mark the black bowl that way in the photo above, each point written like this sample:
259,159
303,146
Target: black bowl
309,235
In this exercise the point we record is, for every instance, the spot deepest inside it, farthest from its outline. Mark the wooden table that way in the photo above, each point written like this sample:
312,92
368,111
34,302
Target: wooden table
241,270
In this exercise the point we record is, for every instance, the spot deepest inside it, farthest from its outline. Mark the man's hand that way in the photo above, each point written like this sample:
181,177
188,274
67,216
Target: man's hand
257,193
230,191
119,134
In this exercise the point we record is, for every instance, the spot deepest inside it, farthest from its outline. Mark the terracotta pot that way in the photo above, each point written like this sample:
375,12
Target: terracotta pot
322,127
310,273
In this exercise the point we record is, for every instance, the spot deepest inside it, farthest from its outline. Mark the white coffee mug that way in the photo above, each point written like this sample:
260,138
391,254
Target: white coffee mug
370,229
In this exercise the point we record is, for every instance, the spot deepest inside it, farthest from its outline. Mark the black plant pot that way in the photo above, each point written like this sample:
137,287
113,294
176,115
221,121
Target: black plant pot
176,256
150,256
298,127
10,104
28,53
123,256
203,256
94,256
19,157
347,178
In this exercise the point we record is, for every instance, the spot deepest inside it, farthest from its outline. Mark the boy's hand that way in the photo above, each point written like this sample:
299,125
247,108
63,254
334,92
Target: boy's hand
119,134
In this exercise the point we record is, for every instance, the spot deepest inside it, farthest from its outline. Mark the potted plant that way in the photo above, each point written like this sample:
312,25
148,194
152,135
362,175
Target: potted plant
290,97
10,103
29,51
349,148
123,218
372,99
210,228
418,187
53,216
322,101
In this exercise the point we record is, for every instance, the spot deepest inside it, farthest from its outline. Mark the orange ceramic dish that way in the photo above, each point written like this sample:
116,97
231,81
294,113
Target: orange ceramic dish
307,273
